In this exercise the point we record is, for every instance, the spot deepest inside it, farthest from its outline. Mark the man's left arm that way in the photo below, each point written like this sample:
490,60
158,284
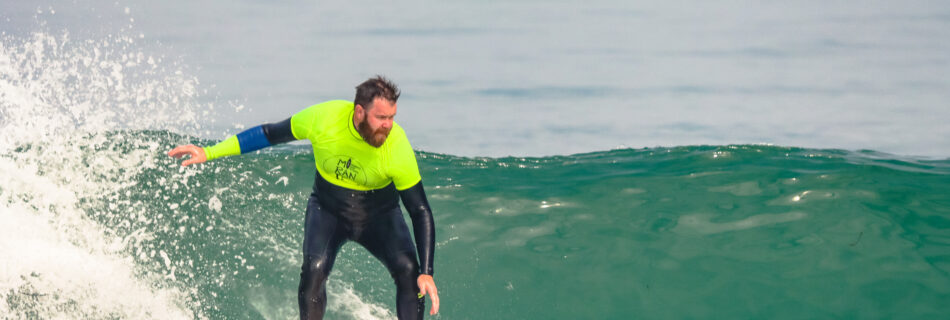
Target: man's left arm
423,227
405,174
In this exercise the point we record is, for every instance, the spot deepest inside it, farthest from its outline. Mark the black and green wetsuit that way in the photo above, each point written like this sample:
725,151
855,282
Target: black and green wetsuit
355,197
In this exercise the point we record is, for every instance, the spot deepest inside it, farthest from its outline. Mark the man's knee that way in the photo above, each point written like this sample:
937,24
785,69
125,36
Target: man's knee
316,268
404,268
312,294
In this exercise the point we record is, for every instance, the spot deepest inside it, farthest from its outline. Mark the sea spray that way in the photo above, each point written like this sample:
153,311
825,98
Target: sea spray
99,223
61,169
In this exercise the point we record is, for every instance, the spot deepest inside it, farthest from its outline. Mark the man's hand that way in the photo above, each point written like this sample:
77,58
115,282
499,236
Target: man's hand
197,154
427,286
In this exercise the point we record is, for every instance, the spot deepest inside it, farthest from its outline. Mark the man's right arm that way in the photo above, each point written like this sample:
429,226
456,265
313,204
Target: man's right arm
249,140
252,139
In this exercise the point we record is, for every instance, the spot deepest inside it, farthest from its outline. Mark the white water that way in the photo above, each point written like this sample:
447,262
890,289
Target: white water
58,98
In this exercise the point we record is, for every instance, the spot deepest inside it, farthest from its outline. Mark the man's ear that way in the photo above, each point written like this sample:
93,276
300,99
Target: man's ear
359,112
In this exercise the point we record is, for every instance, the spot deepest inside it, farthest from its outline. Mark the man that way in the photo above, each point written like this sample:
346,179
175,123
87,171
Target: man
363,161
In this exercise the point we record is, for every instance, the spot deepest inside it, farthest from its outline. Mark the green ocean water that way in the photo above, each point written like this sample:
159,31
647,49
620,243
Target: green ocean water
738,231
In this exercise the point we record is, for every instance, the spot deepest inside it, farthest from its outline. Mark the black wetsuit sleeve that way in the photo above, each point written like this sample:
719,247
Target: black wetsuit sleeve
423,227
278,132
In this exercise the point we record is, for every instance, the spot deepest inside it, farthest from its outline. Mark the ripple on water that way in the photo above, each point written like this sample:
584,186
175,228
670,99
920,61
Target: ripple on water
701,224
748,188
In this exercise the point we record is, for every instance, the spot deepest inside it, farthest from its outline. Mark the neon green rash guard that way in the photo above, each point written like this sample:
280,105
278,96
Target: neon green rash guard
355,187
356,184
340,154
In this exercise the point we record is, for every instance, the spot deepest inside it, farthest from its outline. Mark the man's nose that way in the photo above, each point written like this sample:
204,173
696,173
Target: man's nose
388,124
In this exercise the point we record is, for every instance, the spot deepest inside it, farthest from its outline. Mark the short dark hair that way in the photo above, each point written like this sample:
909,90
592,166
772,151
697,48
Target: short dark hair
377,87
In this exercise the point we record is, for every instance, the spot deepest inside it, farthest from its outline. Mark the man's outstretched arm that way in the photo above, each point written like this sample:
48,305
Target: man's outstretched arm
423,227
249,140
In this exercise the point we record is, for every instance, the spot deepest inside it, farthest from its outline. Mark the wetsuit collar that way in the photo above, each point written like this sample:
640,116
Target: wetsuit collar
352,126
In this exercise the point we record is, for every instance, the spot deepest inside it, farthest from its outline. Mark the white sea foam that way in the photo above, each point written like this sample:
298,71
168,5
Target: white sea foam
58,99
45,275
345,300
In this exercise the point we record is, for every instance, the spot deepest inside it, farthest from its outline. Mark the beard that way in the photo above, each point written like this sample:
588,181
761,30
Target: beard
374,138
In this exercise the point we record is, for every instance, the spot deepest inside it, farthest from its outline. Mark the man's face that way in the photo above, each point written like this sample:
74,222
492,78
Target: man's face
374,123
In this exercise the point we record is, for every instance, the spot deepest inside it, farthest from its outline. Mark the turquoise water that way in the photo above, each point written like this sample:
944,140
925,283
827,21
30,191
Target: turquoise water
739,231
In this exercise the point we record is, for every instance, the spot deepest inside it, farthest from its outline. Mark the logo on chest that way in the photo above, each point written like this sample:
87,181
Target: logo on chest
345,168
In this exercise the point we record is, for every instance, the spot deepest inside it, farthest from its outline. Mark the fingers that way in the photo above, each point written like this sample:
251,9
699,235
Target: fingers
427,286
196,153
435,301
178,151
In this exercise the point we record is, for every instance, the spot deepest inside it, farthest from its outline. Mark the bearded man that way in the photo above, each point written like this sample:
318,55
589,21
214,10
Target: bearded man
364,166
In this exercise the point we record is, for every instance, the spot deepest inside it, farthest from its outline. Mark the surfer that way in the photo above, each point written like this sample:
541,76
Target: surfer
364,166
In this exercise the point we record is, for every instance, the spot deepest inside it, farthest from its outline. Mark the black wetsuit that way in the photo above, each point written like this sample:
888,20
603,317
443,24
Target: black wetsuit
372,219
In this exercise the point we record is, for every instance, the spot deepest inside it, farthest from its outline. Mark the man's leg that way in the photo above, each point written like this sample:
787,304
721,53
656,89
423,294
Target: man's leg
387,238
323,237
